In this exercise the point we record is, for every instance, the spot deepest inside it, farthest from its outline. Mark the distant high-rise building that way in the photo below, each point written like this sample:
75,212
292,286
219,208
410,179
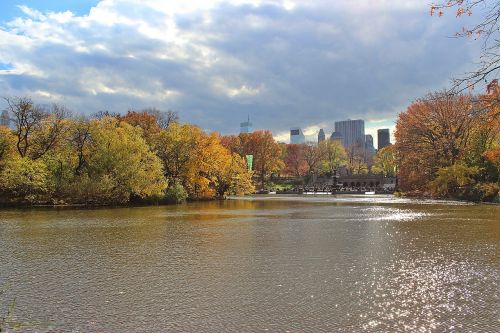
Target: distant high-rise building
352,132
296,136
369,149
369,141
246,127
336,136
384,138
4,118
321,136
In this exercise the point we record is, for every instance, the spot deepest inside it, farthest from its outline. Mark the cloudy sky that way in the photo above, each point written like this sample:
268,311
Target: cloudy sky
285,63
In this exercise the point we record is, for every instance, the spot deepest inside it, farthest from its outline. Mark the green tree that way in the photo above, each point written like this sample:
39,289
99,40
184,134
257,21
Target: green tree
120,157
7,144
386,161
455,180
334,156
105,161
24,180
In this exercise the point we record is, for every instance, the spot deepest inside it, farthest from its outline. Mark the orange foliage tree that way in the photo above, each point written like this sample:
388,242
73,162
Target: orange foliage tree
266,153
436,132
146,121
295,163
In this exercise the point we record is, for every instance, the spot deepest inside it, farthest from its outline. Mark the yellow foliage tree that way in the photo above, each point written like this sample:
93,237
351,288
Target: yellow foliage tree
334,156
385,161
120,160
25,181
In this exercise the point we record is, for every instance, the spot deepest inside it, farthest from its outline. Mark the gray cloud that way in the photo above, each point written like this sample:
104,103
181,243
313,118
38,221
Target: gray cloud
305,66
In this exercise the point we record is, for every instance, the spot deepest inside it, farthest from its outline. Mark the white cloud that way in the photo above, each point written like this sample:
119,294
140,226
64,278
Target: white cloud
287,63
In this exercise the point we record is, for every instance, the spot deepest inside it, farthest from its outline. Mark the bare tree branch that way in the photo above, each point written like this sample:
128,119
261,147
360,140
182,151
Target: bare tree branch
487,30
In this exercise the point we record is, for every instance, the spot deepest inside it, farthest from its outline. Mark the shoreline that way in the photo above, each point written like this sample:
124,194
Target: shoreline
254,195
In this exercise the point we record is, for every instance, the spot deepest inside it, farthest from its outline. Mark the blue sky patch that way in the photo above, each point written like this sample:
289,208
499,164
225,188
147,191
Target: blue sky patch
6,66
9,8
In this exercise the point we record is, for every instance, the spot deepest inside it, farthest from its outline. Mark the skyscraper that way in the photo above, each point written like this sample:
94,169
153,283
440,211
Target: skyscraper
352,132
369,149
296,136
384,138
369,142
321,136
336,136
4,118
246,127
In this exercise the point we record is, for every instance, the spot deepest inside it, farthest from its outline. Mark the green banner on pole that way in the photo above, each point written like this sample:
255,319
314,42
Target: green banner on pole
249,162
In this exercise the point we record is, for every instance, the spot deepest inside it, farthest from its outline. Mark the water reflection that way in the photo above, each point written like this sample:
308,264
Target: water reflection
300,264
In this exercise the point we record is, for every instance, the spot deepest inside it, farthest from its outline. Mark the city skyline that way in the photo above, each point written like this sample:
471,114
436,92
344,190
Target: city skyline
216,62
312,136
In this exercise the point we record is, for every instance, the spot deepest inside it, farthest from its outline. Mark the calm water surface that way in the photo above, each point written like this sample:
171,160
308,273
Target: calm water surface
264,264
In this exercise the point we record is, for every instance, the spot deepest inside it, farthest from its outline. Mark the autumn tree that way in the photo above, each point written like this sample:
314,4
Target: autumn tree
266,153
102,162
163,118
295,163
487,138
99,115
232,176
453,180
313,156
200,163
211,159
177,148
146,121
80,141
438,132
151,121
25,181
334,156
234,143
7,144
22,180
120,164
51,157
37,129
356,161
227,171
386,161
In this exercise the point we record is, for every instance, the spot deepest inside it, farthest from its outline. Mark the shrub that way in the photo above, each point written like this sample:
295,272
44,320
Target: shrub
487,191
453,181
176,193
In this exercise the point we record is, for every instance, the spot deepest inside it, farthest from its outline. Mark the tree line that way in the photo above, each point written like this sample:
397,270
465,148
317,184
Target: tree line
447,145
51,157
296,160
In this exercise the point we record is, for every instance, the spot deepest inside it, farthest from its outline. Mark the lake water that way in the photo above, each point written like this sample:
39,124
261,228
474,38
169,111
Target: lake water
262,264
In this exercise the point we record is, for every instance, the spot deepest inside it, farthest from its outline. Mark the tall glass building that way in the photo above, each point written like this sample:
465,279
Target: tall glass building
246,127
321,136
383,137
369,149
369,144
336,136
296,136
351,131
